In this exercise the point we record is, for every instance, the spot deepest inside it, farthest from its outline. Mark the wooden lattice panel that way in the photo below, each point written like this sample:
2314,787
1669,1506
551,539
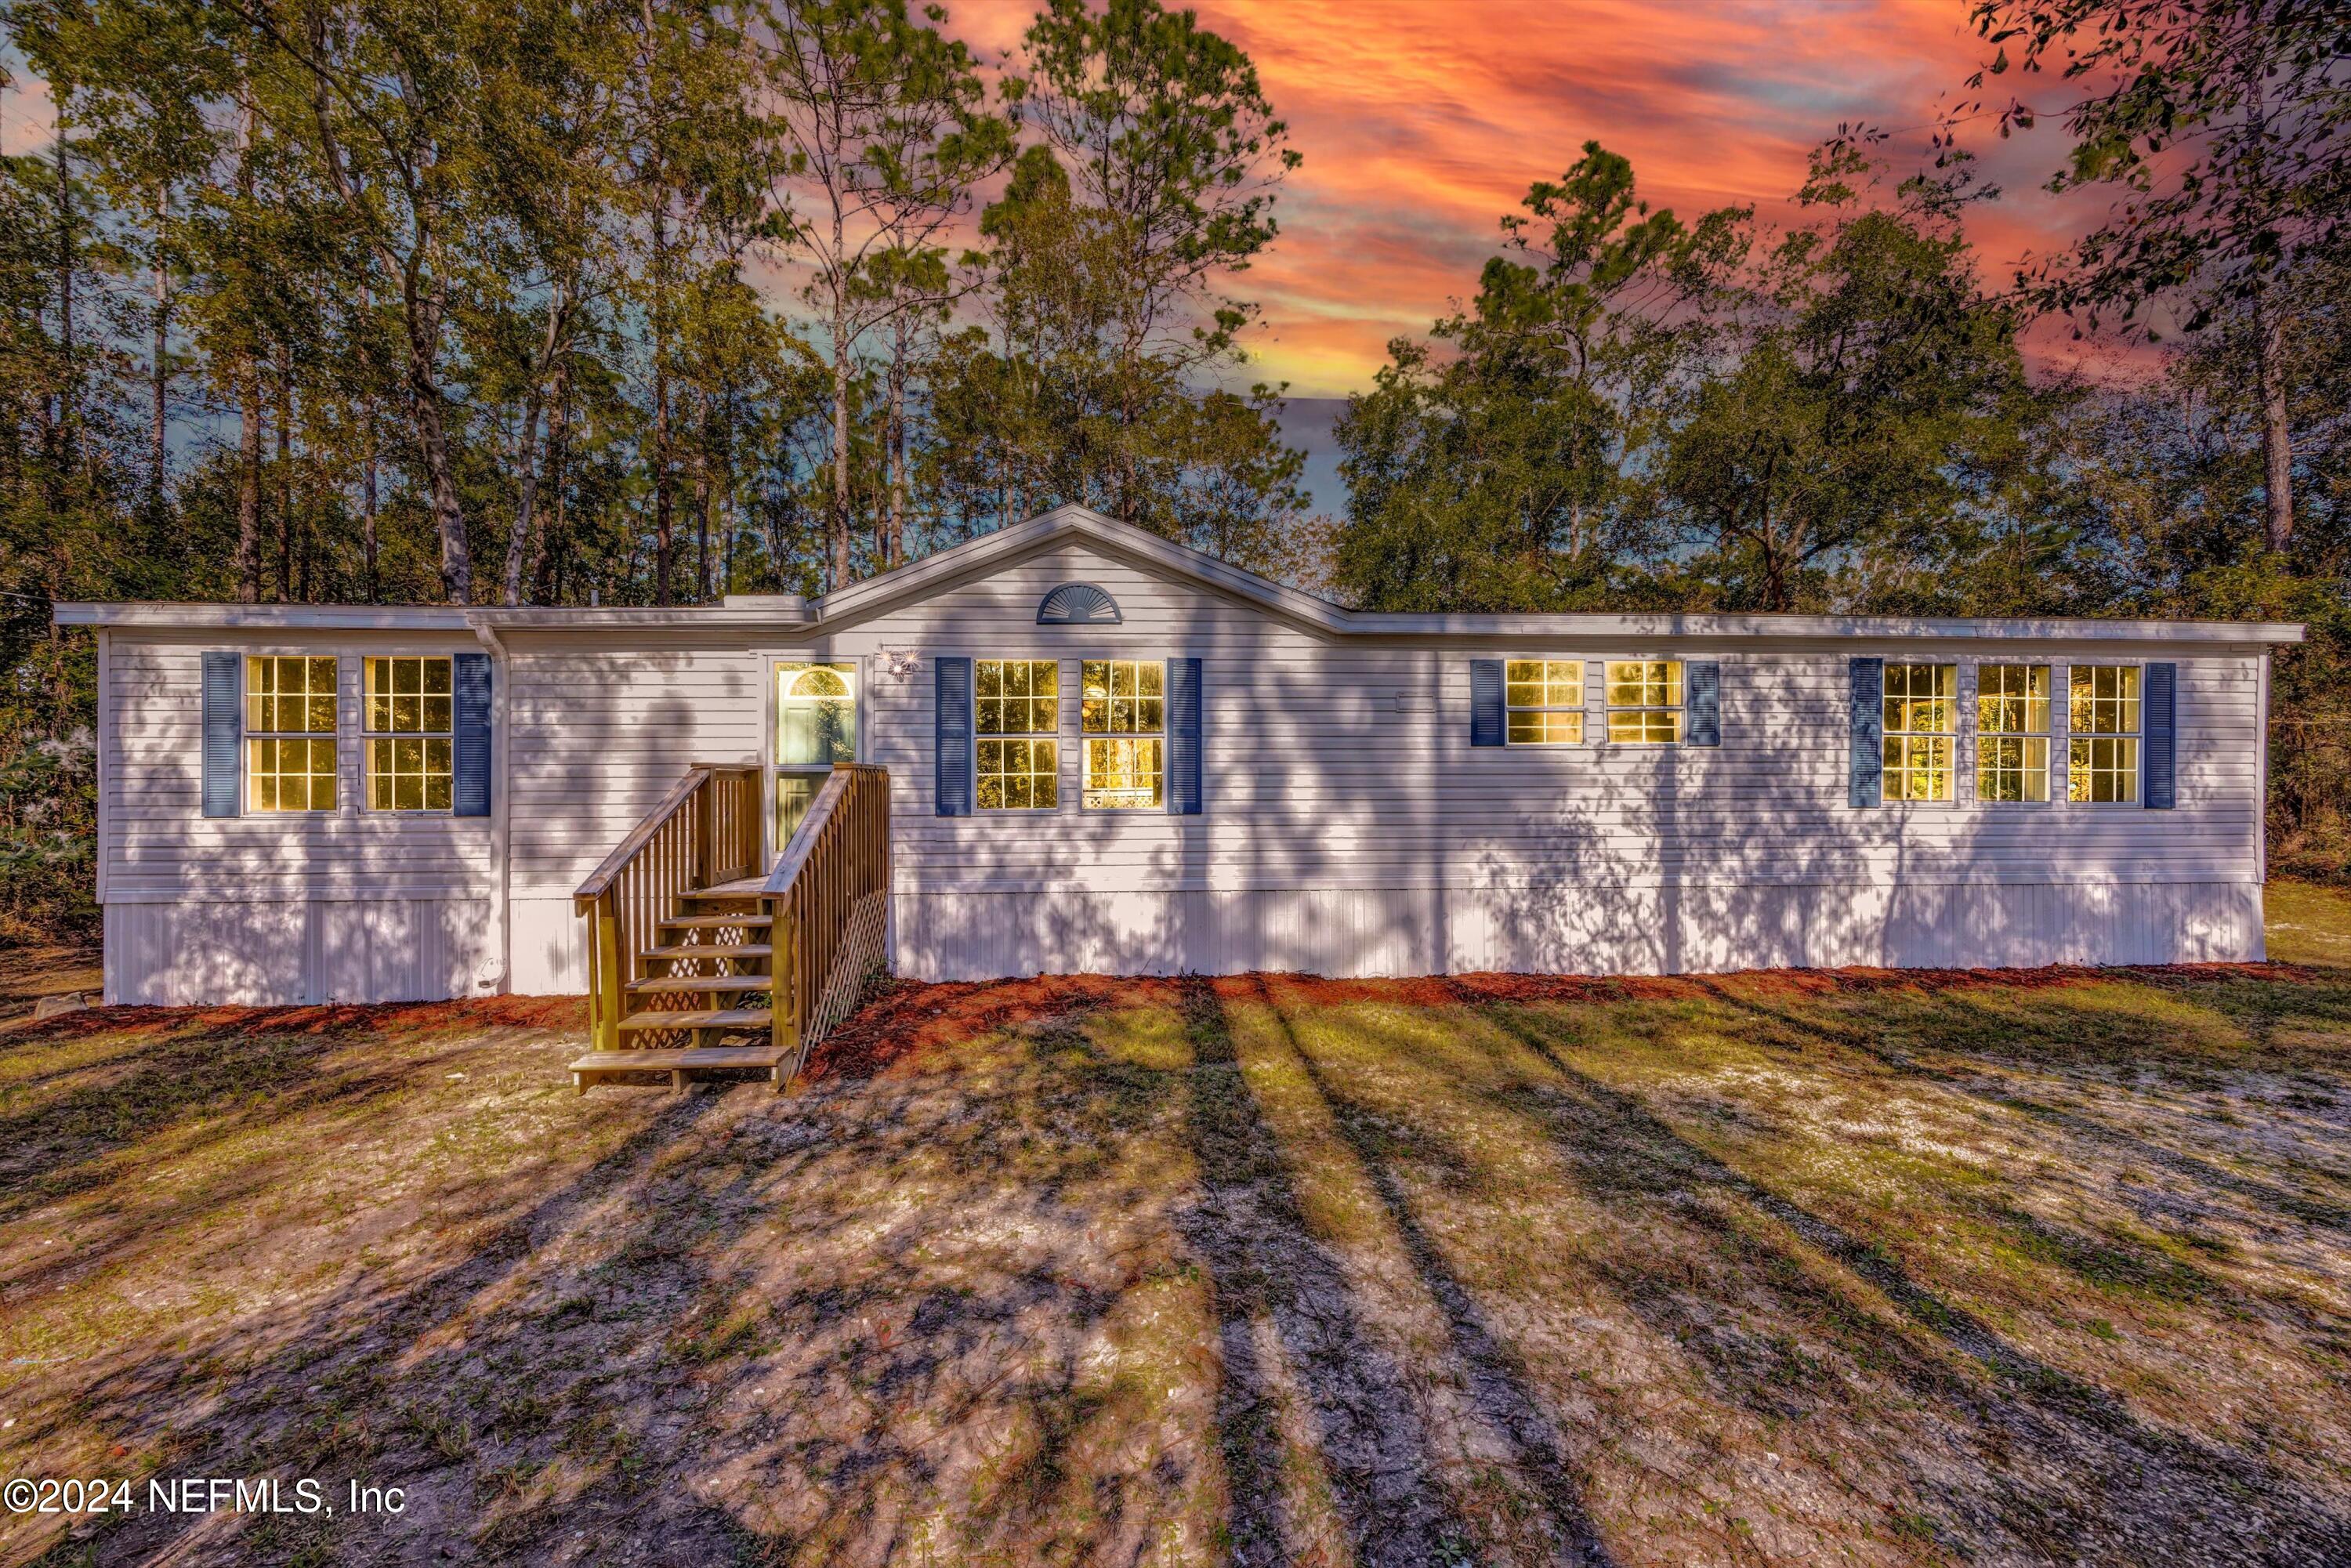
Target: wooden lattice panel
862,954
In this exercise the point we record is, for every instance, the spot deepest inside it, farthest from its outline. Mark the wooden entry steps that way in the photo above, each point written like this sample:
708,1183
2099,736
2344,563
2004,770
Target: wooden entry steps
690,950
599,1064
716,928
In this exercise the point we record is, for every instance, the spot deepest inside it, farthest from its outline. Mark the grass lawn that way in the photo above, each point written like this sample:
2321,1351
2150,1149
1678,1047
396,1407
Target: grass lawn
1797,1269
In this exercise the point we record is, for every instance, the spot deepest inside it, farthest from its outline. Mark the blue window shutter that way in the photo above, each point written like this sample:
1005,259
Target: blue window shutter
952,733
224,729
2162,724
1184,737
1702,695
1484,702
469,791
1868,782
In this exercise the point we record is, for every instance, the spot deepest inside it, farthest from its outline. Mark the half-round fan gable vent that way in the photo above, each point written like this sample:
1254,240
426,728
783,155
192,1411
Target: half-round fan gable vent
1077,604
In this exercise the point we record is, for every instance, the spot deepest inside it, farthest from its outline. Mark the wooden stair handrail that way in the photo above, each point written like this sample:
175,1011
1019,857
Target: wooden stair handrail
828,898
624,852
668,806
706,829
804,838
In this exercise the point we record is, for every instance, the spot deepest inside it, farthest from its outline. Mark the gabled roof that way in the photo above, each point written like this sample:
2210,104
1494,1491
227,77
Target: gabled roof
1005,547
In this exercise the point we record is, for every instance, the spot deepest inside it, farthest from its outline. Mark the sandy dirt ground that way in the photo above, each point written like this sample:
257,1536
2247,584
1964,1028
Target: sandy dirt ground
1986,1268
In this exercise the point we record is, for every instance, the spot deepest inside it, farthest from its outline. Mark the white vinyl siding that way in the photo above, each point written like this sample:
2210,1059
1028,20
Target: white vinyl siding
1323,774
1351,827
159,845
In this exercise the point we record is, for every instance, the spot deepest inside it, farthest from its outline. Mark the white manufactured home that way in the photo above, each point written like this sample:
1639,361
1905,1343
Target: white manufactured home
1078,748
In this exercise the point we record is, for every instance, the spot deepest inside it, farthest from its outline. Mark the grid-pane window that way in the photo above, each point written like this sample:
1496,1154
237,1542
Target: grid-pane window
1123,714
290,733
1018,712
1921,714
2013,732
2102,711
409,752
1544,700
1644,701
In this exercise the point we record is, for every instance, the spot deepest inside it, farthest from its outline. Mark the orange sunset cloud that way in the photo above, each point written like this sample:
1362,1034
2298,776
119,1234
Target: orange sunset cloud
1422,124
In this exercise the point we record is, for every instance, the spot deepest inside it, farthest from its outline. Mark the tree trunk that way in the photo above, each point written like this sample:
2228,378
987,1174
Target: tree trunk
778,515
727,534
839,522
548,569
430,417
248,478
248,394
159,371
433,443
664,520
701,528
284,465
68,393
2277,428
368,507
895,534
423,305
518,538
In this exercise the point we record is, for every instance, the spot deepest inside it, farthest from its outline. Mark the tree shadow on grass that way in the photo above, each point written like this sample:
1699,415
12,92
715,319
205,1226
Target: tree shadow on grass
2055,1037
224,1070
1502,1390
405,1383
952,1364
1250,1230
2077,1476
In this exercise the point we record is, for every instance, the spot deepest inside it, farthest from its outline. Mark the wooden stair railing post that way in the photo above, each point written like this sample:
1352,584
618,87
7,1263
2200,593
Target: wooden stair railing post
605,971
783,997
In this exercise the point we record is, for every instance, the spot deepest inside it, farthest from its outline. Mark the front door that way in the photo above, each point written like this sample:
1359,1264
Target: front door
816,726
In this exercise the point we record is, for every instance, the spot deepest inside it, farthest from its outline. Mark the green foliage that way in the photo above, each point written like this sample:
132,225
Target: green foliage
1837,419
2226,126
1495,477
354,300
1860,407
1155,177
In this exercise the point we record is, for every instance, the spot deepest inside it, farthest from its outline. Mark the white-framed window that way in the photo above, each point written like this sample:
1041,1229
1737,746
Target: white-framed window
1122,714
1542,702
2013,733
407,736
1645,702
1921,722
289,733
2103,713
1017,711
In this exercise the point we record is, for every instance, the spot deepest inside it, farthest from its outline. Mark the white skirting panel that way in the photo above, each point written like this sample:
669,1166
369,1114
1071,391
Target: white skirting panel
550,947
298,951
1574,930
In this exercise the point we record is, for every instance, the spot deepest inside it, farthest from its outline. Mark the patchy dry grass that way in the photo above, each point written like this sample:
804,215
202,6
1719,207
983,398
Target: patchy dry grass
44,969
1793,1269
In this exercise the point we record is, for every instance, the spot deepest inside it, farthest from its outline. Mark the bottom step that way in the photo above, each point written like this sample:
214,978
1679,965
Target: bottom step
596,1064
